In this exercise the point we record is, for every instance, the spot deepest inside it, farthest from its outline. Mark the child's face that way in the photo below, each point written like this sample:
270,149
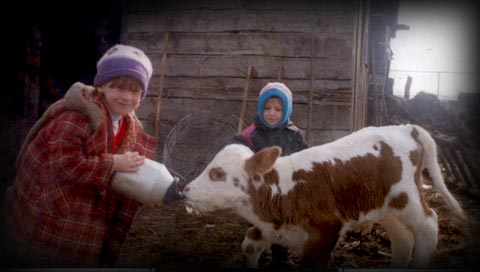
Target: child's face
272,112
121,101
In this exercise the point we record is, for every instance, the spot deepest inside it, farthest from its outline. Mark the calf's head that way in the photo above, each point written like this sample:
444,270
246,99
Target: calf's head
224,183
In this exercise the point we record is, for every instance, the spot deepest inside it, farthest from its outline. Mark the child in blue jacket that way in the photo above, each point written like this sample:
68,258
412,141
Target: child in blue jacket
272,126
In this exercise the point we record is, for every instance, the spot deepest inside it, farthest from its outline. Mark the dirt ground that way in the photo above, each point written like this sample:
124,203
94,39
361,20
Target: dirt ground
170,237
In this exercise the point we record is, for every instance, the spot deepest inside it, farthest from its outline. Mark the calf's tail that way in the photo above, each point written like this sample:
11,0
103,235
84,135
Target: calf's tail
431,163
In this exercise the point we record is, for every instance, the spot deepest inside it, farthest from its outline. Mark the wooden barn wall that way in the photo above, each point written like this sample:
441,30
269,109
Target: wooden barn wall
307,44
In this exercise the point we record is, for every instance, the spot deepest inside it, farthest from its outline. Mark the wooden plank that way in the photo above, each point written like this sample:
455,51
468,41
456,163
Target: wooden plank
233,66
360,74
465,168
449,153
143,5
320,97
265,67
300,21
329,87
285,44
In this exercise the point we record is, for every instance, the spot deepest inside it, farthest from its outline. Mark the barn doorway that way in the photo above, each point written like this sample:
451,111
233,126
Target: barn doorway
48,48
53,45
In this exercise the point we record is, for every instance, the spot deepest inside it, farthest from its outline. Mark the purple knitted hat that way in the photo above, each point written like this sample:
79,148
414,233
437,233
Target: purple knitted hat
124,60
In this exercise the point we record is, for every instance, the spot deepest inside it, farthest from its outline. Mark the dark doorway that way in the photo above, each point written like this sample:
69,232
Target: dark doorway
47,47
53,45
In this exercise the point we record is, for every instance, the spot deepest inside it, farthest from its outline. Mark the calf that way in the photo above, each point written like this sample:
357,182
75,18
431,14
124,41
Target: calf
308,200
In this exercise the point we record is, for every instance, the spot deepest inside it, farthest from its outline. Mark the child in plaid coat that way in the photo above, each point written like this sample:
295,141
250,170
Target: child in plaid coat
60,206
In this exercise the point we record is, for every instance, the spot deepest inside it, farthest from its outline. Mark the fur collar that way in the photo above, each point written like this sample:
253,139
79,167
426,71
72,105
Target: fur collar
80,97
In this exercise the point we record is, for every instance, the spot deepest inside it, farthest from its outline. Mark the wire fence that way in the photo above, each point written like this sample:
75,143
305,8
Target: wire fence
446,85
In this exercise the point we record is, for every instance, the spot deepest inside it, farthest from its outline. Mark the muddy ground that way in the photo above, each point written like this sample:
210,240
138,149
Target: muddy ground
170,237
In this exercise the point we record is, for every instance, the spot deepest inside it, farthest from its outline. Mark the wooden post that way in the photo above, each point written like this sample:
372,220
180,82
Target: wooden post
244,99
280,73
359,84
162,76
438,85
406,95
310,94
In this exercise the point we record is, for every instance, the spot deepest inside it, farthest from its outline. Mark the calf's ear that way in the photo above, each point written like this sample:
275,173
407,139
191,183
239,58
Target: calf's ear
262,161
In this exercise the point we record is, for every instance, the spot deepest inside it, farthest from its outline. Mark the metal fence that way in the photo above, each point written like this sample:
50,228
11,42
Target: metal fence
446,85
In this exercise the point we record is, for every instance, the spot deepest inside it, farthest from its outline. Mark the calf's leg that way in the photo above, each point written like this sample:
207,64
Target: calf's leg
401,240
253,245
321,241
426,238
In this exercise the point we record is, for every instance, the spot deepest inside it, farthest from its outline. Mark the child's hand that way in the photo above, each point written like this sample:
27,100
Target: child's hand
127,162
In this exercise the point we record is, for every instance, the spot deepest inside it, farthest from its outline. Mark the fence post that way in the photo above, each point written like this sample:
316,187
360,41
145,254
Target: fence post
407,87
438,85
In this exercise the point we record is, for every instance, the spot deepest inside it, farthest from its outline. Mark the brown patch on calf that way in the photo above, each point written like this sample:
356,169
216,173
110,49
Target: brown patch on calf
271,178
416,157
236,182
414,134
348,188
217,174
254,234
399,202
321,241
249,249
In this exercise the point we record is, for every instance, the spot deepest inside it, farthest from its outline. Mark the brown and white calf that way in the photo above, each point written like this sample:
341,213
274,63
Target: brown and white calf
308,200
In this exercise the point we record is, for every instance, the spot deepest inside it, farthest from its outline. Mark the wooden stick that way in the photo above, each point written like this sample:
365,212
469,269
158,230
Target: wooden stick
310,93
244,99
406,94
162,76
280,73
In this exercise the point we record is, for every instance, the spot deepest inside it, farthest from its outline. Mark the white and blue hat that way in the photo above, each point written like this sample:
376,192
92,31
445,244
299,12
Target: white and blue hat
280,90
124,60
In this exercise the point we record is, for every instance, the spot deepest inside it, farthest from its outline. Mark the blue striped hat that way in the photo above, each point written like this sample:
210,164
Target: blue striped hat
275,89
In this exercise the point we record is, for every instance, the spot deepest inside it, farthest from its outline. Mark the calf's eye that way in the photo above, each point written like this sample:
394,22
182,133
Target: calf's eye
217,174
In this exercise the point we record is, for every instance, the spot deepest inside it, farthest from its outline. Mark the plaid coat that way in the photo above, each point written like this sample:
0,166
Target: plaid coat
60,203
